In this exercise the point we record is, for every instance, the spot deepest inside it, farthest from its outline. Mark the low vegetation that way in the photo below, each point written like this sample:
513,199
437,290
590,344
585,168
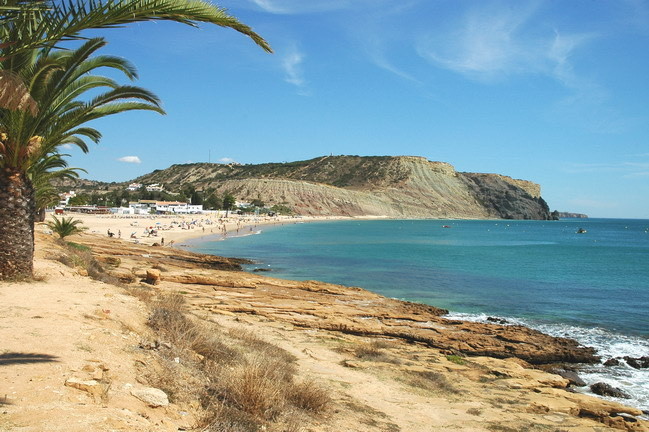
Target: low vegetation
456,359
80,257
65,227
376,351
243,383
429,380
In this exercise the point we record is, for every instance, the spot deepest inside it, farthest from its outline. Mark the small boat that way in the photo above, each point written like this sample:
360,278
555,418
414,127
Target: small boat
581,231
446,226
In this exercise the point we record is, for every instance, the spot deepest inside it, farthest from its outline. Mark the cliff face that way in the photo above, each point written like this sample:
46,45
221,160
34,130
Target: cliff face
403,186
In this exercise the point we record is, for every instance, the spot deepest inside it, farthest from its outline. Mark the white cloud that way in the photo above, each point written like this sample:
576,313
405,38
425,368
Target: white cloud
589,203
625,169
293,7
293,74
490,43
637,174
130,159
226,160
67,146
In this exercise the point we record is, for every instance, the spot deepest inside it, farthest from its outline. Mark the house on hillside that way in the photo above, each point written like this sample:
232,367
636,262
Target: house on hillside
155,187
134,187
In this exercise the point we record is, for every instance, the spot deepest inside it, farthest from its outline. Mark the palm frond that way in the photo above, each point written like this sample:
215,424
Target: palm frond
14,94
58,21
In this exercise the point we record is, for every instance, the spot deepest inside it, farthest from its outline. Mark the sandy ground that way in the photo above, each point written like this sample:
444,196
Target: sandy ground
171,230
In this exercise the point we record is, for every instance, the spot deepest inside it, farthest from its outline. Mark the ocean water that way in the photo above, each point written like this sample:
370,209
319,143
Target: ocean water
593,287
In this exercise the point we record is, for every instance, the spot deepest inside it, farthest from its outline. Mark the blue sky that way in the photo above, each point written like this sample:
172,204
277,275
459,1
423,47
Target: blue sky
555,92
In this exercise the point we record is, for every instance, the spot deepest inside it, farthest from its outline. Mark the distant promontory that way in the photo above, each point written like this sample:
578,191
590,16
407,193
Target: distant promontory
567,215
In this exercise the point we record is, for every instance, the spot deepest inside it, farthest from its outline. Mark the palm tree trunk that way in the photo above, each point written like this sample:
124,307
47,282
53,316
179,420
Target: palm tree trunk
17,209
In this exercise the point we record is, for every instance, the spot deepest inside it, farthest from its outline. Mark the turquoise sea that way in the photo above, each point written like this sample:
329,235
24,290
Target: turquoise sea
593,286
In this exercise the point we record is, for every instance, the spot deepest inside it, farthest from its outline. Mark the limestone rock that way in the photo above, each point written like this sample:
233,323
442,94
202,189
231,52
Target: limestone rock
152,396
224,281
153,276
93,387
571,376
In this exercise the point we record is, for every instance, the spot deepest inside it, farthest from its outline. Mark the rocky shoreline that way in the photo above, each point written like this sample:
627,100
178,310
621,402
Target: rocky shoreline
371,352
217,286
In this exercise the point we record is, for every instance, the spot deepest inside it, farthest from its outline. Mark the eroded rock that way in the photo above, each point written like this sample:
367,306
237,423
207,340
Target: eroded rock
153,276
637,362
571,376
151,396
604,389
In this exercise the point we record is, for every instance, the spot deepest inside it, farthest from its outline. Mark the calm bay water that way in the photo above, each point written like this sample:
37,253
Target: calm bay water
593,287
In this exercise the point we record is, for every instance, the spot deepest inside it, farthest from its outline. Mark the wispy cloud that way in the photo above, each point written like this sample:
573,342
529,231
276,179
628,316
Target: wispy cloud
293,73
292,7
380,35
589,203
226,160
625,169
490,43
130,159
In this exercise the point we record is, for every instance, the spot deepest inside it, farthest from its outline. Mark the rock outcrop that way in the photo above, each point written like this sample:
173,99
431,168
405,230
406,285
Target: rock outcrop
349,310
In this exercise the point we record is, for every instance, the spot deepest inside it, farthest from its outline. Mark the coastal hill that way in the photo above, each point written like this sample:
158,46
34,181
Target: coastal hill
392,186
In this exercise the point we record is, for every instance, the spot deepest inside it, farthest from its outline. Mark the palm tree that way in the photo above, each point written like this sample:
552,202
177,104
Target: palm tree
42,174
30,24
28,144
229,203
26,25
66,226
40,88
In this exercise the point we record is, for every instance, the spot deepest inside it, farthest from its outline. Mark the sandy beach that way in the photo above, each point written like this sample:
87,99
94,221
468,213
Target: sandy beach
172,230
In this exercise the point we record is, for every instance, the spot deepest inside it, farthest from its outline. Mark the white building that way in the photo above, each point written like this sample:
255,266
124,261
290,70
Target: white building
174,207
134,186
155,187
65,198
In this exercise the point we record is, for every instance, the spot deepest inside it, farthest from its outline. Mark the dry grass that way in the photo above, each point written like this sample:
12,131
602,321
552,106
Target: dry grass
79,256
243,383
429,380
310,396
376,351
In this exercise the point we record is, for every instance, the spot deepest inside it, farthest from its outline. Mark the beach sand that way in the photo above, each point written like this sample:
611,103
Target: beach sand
173,230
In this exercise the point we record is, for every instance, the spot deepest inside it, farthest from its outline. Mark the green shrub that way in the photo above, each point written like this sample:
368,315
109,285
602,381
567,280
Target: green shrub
65,226
456,359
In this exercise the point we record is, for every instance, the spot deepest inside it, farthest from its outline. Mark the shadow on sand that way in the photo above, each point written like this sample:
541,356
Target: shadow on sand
10,358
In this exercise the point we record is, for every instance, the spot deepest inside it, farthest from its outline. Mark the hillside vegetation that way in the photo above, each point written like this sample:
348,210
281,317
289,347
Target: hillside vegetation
392,186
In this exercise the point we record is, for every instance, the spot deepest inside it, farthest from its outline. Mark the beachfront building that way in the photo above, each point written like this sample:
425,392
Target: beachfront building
65,198
164,207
